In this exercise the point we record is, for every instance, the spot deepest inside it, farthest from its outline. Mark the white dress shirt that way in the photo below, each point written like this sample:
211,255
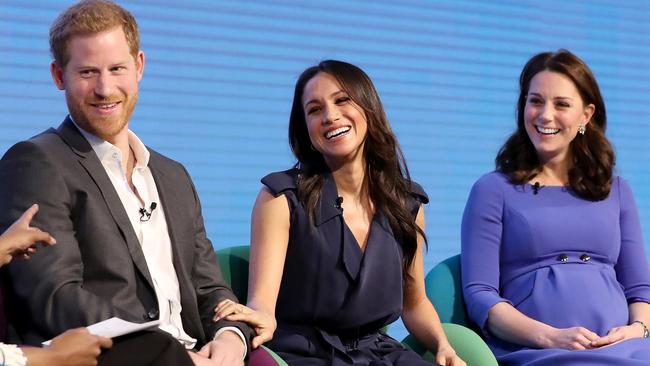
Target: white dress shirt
150,228
11,355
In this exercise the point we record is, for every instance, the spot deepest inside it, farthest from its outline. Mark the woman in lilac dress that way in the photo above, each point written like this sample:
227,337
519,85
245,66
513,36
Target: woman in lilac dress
553,264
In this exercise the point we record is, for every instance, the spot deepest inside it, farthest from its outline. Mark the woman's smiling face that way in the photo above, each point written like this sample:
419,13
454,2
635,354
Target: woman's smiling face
337,125
553,112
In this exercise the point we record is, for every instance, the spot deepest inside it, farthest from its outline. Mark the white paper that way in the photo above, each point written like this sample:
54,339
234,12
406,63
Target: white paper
115,327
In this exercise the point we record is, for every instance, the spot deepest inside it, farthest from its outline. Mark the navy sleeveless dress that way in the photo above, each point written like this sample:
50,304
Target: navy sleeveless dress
334,298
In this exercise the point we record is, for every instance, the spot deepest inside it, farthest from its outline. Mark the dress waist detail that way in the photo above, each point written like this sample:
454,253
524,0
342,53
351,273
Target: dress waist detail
515,269
343,341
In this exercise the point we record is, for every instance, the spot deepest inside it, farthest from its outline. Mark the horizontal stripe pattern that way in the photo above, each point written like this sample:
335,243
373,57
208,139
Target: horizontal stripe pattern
219,78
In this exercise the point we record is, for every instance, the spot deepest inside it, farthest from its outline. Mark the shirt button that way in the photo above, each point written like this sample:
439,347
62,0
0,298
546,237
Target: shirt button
585,258
562,257
151,314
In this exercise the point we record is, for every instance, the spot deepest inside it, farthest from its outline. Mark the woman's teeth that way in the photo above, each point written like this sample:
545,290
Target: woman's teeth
336,132
547,130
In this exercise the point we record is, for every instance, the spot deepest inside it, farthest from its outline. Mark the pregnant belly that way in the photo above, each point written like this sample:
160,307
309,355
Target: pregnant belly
571,294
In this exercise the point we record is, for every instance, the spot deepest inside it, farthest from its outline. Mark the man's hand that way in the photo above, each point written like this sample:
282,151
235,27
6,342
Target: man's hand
264,324
75,347
20,239
199,359
226,350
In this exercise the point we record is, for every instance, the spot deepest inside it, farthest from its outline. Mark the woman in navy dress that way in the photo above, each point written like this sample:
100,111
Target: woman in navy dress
337,241
553,264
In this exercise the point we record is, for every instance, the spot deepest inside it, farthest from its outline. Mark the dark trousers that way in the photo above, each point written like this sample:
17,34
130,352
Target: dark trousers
145,348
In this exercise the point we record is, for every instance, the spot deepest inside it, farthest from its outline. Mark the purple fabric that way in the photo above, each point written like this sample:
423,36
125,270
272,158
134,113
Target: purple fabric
556,258
261,357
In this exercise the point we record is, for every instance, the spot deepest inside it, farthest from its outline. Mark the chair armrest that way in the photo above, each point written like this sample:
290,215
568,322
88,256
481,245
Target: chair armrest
468,345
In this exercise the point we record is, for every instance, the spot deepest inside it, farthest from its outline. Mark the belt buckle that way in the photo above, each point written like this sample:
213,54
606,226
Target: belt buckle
350,338
352,344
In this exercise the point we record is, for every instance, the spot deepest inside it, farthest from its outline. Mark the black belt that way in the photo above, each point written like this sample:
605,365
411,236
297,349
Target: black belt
351,336
348,337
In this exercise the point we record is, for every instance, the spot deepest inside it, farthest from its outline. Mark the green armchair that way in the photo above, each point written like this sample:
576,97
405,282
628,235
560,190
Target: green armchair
234,268
444,290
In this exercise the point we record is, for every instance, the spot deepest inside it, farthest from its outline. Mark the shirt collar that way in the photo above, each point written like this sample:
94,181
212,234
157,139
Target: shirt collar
105,149
140,151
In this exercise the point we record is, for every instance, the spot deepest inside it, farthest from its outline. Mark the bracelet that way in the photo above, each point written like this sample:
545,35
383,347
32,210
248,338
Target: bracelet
646,333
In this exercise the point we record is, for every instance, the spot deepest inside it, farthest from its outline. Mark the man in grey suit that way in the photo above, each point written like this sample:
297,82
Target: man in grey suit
130,236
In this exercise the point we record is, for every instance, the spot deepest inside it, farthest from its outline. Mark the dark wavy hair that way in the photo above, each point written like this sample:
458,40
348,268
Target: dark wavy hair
387,178
590,175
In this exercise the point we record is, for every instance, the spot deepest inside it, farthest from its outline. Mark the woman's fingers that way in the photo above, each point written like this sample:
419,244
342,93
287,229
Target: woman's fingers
227,307
261,338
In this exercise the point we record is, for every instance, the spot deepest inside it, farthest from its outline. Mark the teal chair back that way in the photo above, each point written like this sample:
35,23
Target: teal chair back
445,291
443,287
234,268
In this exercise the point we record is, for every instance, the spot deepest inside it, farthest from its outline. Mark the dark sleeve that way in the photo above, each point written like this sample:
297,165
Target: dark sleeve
50,284
420,197
632,265
208,281
481,231
280,182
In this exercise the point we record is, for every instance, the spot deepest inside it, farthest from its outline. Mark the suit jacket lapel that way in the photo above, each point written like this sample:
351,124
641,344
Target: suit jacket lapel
165,186
88,159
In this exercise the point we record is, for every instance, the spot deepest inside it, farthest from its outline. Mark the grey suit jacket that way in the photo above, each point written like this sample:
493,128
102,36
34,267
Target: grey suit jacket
97,269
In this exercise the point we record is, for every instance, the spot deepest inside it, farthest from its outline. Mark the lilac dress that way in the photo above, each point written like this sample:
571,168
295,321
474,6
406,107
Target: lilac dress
559,259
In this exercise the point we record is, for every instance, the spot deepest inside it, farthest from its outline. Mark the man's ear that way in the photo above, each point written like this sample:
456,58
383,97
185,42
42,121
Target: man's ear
139,65
57,75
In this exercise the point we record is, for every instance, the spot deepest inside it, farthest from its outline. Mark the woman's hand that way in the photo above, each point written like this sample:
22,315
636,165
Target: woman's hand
575,338
263,323
20,239
446,356
78,347
618,334
75,347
